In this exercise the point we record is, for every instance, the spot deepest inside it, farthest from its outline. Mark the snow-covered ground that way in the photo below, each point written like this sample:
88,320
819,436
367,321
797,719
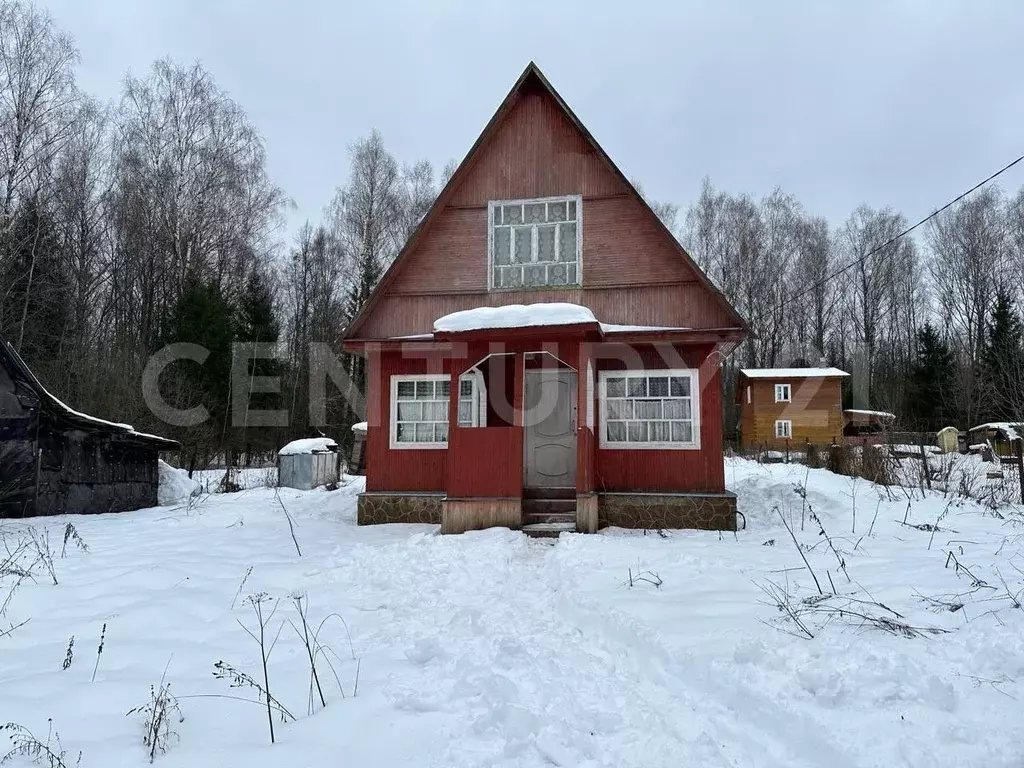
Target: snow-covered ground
491,649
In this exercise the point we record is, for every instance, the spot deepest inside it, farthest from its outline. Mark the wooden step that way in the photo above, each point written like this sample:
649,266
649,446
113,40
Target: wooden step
549,506
548,530
566,518
549,493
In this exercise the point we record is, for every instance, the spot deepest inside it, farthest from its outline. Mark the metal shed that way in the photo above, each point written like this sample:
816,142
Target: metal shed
308,463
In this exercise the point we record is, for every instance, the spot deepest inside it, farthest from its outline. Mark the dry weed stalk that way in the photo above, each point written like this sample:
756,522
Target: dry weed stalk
158,718
24,744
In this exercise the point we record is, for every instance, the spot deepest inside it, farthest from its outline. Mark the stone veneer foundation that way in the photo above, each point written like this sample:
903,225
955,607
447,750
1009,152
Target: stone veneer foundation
707,511
375,508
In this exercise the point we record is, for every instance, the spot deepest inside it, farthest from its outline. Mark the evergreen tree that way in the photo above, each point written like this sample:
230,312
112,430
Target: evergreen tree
35,302
203,316
1002,360
927,404
257,322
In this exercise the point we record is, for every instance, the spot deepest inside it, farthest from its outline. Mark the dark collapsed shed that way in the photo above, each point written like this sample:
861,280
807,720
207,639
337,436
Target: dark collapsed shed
55,460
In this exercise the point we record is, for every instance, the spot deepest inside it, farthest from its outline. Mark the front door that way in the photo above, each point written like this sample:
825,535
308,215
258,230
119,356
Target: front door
549,420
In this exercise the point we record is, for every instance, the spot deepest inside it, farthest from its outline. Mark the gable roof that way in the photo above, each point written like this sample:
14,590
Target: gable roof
66,416
530,75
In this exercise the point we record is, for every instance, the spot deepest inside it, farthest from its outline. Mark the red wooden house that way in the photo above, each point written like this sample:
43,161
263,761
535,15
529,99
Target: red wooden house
543,354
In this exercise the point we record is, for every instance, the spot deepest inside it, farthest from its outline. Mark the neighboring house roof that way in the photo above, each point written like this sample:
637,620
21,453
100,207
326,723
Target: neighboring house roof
531,73
63,413
792,373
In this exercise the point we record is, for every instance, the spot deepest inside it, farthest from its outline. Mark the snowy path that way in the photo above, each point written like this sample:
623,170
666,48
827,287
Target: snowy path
492,649
536,673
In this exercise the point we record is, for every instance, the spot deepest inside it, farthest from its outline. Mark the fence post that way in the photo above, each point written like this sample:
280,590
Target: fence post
787,450
1020,466
924,461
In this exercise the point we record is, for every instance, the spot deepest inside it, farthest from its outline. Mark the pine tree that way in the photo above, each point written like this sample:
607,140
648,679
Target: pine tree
1002,360
928,389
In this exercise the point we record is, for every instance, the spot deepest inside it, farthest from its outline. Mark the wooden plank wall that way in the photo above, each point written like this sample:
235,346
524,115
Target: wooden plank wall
700,470
407,469
485,461
633,272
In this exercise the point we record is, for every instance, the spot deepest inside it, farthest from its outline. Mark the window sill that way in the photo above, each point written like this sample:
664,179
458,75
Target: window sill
521,288
606,446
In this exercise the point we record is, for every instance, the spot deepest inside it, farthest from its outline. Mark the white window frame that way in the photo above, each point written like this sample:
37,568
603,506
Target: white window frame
492,204
788,429
691,373
393,417
478,398
783,393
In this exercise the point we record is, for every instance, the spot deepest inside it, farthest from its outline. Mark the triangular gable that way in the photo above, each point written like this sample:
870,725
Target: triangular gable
531,76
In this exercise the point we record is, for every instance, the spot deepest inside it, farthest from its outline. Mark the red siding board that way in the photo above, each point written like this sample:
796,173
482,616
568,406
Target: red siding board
685,305
633,272
485,462
536,152
488,461
671,470
403,469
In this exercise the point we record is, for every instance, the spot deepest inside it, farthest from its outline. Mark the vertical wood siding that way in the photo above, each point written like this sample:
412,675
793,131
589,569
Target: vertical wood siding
536,152
485,462
406,469
670,470
632,270
488,461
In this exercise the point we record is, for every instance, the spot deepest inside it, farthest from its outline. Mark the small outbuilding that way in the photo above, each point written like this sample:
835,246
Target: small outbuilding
308,463
55,460
1000,435
948,439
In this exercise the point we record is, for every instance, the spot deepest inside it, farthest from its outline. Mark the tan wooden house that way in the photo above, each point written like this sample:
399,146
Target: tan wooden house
790,406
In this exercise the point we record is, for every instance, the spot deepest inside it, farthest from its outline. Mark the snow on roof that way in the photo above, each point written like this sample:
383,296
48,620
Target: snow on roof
1012,431
861,412
33,380
615,328
309,445
791,373
514,316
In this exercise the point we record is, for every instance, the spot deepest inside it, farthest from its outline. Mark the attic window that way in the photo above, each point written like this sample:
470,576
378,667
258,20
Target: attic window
535,243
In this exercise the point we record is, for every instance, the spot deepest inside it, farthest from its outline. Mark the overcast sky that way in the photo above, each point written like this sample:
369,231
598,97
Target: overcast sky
890,103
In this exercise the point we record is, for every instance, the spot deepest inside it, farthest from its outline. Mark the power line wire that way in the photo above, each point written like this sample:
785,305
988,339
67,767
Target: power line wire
890,241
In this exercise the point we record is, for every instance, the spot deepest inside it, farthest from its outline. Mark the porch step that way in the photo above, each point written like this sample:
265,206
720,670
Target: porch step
548,530
549,493
564,518
549,506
